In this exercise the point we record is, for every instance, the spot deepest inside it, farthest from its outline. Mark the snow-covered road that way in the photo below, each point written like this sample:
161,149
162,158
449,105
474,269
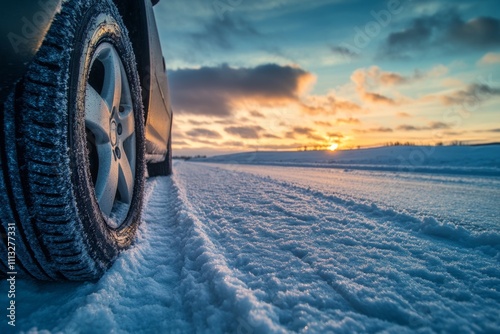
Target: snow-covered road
251,249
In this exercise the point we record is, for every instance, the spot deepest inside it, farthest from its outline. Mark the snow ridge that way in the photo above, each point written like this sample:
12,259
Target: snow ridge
488,241
205,265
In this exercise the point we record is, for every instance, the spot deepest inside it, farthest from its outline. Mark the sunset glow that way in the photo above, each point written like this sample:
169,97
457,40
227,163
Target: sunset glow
289,75
333,147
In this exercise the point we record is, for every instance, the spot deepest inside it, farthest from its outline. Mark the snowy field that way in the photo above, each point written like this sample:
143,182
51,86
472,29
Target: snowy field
296,247
475,160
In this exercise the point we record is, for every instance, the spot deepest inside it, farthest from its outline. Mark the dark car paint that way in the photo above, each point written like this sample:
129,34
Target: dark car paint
23,25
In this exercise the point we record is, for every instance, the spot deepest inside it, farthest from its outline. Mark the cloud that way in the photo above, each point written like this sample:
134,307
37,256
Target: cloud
204,142
199,132
233,143
431,126
270,136
213,91
490,58
365,79
245,132
403,114
323,123
219,33
445,29
479,32
379,129
408,128
497,130
438,126
337,135
377,98
316,137
255,113
302,131
326,105
345,105
316,110
374,76
276,147
344,52
349,120
471,95
226,122
453,133
179,143
198,123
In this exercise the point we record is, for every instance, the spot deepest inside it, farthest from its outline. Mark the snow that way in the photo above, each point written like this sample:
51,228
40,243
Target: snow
476,160
237,248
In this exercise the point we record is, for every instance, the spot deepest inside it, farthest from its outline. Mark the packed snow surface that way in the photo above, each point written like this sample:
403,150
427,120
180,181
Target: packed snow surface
233,248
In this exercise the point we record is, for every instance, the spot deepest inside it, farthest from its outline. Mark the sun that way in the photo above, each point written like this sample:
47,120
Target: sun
333,147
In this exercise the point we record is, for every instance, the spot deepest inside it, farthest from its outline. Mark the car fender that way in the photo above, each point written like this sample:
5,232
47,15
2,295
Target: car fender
139,18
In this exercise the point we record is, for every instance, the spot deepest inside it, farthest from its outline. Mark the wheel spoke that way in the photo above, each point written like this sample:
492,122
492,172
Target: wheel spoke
107,178
125,179
96,115
112,88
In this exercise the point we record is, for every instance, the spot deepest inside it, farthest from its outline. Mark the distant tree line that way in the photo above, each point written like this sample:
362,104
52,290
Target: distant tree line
397,143
407,143
188,157
313,148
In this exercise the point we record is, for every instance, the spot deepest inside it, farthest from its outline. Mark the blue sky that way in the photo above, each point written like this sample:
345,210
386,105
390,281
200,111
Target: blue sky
284,74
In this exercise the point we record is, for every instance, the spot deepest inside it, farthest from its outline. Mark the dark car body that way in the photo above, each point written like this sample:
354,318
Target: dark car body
23,25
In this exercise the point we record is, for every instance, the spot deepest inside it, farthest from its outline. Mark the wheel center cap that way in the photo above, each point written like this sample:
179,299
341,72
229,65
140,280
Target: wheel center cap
112,131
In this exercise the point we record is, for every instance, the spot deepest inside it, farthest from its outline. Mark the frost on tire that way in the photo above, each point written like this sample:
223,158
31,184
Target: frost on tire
73,132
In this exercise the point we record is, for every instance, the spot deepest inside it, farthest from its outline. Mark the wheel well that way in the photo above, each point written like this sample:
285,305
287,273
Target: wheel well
134,16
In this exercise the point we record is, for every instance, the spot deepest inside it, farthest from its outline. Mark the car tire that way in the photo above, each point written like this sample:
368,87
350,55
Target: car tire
74,161
162,168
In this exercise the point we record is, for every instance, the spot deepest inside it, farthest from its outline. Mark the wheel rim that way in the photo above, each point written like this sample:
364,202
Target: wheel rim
111,135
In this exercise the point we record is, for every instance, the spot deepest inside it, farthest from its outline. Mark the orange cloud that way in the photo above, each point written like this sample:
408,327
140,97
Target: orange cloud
245,132
403,114
257,114
368,79
490,58
349,120
205,133
322,123
337,135
327,104
362,78
431,126
214,91
376,98
380,129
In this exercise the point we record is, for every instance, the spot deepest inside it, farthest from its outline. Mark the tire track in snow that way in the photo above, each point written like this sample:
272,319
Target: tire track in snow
323,263
139,294
216,299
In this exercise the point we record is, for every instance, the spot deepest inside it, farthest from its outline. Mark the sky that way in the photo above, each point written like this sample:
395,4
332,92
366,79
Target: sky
292,74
